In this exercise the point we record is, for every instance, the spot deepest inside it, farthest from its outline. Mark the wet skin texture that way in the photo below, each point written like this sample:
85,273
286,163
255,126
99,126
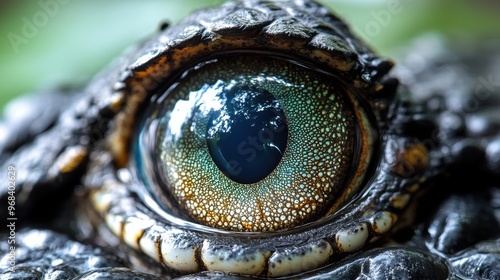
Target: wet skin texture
435,165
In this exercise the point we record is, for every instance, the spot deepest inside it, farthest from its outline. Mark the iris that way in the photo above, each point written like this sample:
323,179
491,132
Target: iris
252,143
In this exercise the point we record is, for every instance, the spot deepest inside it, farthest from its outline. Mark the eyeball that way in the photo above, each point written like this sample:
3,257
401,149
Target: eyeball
255,143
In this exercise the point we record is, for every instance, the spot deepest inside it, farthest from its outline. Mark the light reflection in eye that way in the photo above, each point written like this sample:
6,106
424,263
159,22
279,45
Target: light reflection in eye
204,99
253,144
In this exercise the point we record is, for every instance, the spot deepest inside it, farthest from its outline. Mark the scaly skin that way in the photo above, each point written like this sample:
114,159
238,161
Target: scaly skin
435,169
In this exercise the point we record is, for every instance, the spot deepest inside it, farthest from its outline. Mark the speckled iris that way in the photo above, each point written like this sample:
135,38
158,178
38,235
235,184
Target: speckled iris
208,126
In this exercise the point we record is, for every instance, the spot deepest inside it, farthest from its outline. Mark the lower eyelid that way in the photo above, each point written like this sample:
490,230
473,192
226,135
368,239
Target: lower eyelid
186,248
189,251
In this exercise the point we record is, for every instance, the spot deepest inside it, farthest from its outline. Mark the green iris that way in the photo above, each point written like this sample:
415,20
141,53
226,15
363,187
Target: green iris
253,143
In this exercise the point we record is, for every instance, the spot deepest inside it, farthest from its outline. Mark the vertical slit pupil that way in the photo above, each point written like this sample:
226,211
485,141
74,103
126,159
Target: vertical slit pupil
247,135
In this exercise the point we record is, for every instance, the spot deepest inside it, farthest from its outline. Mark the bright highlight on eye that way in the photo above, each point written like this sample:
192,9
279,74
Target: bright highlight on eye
253,143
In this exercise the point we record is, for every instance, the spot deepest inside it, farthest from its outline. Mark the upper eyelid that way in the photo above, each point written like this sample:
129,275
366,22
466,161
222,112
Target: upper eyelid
319,39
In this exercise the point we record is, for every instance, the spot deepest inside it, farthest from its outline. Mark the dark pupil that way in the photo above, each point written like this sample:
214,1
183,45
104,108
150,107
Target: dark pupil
247,136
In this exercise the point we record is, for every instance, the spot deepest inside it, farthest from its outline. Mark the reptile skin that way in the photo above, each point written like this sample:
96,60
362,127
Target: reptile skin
435,166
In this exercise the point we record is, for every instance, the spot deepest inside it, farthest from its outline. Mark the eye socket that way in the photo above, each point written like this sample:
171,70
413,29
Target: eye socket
253,143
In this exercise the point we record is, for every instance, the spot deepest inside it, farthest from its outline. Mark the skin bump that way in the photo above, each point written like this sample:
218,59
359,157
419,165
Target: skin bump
352,239
101,200
114,222
299,259
411,159
236,260
150,242
177,253
133,229
71,159
400,201
116,101
383,221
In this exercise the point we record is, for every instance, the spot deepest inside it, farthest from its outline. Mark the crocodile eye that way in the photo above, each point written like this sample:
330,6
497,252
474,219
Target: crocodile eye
252,143
246,142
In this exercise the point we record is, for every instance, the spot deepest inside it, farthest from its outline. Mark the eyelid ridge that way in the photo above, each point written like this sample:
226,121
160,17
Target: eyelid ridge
272,29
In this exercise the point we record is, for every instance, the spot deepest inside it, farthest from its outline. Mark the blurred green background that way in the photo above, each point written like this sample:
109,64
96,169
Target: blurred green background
45,43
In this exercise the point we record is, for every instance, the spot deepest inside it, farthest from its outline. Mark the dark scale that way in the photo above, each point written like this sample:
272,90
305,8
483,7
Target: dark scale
247,136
